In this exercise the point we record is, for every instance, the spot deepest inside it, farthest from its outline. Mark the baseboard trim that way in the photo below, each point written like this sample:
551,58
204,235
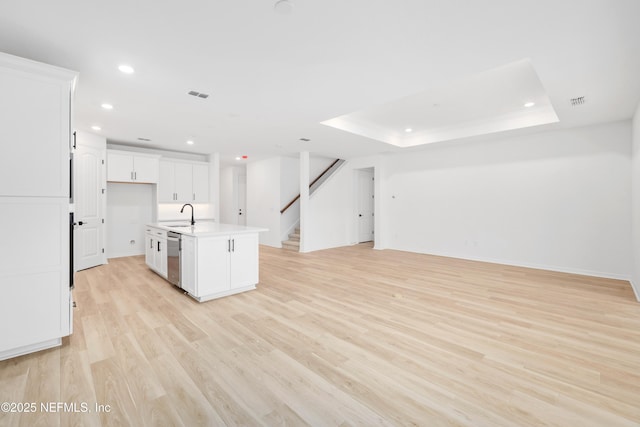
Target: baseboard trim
635,289
570,270
20,351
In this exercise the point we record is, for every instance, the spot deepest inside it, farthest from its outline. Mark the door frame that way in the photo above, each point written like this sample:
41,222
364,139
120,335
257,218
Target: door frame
236,197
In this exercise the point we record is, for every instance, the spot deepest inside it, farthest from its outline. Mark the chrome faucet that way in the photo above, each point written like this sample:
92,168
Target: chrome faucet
182,210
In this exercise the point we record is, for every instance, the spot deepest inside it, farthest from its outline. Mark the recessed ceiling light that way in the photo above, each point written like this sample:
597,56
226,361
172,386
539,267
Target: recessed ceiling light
238,158
190,142
127,69
408,130
107,106
96,128
529,104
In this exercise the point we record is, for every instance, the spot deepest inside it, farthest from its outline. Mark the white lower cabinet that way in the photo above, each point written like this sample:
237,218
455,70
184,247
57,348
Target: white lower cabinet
243,263
188,264
148,251
34,274
214,267
156,250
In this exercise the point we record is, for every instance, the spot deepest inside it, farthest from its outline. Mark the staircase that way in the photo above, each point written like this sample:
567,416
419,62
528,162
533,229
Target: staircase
293,244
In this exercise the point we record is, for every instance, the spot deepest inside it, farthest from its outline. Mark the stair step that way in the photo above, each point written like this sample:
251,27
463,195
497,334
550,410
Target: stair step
294,236
291,245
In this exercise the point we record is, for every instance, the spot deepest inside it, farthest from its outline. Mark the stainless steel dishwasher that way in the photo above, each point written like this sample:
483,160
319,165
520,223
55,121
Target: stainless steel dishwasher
173,257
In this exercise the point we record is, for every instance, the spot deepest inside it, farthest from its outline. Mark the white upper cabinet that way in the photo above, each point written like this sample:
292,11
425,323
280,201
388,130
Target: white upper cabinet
35,111
183,182
123,166
200,183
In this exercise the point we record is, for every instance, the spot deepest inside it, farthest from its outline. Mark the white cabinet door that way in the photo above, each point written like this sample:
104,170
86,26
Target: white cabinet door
129,167
162,260
145,169
183,182
34,132
244,260
188,266
34,271
119,167
166,182
200,183
213,265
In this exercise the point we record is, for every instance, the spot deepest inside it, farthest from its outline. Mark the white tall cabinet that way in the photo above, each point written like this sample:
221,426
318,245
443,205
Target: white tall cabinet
35,186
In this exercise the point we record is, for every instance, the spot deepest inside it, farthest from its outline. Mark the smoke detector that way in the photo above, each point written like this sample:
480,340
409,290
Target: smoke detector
577,101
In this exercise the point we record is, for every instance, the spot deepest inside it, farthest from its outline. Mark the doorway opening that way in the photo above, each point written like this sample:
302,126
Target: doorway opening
365,205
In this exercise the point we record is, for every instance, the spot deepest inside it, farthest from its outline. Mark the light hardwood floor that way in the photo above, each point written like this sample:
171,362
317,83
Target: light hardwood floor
348,336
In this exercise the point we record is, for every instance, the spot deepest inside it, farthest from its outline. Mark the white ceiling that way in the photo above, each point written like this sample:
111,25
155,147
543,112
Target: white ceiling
504,98
274,78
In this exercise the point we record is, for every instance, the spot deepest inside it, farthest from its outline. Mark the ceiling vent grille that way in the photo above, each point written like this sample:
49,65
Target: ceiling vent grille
144,139
577,101
198,94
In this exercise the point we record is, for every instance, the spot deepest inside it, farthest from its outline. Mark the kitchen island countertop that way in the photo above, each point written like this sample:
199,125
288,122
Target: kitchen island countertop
206,229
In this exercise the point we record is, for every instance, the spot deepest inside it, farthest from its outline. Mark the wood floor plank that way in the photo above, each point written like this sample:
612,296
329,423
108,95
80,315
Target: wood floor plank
347,336
77,387
12,390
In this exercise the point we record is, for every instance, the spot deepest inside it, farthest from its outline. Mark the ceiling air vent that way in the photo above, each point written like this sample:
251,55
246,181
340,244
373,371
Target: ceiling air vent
144,139
198,94
577,101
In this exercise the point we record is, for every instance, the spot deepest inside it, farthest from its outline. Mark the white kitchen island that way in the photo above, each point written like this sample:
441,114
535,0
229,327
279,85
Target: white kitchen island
216,260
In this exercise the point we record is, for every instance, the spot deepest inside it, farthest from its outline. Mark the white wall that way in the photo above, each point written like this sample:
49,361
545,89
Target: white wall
289,188
129,208
558,200
263,199
229,193
332,217
635,209
317,165
171,212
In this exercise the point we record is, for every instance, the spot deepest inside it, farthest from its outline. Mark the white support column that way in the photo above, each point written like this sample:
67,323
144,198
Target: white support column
304,197
214,184
381,202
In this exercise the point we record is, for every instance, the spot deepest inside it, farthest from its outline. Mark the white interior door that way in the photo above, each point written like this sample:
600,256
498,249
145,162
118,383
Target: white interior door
365,206
89,204
242,200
